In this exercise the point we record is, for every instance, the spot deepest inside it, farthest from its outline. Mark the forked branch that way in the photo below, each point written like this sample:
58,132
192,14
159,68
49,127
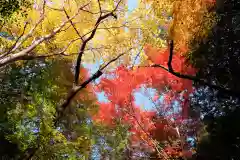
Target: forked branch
21,55
194,78
78,88
93,32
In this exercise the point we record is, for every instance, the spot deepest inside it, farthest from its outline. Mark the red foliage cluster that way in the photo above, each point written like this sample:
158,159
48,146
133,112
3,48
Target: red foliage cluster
160,56
119,91
177,152
211,1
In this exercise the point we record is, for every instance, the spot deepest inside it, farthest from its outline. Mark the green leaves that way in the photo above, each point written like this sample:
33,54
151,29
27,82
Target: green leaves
38,88
8,7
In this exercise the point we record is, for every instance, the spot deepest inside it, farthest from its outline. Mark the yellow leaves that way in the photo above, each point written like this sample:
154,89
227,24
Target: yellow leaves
33,16
59,137
148,24
112,38
82,138
110,6
191,20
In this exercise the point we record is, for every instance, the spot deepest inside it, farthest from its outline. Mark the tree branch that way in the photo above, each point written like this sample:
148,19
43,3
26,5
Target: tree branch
24,38
61,53
16,42
81,52
99,6
68,17
194,78
20,55
76,89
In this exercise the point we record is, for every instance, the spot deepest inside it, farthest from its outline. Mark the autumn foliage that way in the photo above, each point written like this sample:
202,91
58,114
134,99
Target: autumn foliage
191,22
57,103
191,19
146,125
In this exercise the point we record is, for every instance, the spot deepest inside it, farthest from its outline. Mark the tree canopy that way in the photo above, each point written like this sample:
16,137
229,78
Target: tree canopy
72,73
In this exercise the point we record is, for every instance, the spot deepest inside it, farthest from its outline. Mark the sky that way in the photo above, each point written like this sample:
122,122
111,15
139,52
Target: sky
141,95
132,4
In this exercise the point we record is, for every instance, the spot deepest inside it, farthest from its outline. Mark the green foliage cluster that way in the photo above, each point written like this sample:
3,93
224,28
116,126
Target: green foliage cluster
29,96
8,7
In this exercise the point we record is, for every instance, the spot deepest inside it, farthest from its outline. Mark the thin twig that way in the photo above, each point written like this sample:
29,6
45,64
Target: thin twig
114,59
24,38
61,53
99,6
13,46
82,48
135,59
142,128
23,53
68,17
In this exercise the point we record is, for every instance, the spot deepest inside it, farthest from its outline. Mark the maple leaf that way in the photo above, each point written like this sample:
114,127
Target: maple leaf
119,91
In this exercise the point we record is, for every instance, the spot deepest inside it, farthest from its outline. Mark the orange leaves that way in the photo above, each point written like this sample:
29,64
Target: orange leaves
106,114
120,92
191,20
177,152
160,56
153,54
120,89
211,1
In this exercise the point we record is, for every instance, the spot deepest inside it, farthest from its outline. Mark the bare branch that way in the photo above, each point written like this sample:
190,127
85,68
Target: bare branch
135,59
55,9
24,38
142,128
100,9
13,46
89,11
170,57
114,27
24,52
76,89
114,59
81,52
61,53
68,17
194,78
151,99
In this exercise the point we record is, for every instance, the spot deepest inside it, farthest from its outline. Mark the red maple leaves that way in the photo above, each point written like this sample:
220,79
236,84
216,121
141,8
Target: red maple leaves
120,89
